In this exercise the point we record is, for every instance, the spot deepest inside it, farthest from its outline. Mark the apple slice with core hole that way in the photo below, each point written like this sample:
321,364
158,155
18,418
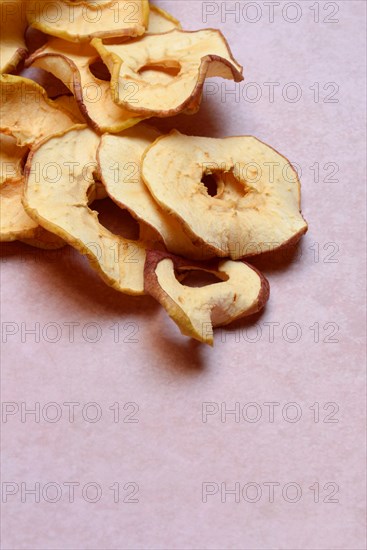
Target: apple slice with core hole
57,195
257,204
242,291
182,59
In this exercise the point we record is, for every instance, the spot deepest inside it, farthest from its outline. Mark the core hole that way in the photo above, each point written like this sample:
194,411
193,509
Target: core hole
197,278
118,221
211,184
171,69
100,70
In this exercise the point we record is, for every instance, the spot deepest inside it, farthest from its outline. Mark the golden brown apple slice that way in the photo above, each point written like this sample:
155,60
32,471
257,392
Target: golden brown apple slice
71,63
56,195
257,206
13,26
182,60
15,224
242,291
11,159
26,112
81,21
119,159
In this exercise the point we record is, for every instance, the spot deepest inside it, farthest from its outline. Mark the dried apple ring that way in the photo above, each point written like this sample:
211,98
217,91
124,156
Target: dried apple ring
11,159
257,206
119,159
241,292
56,195
184,58
71,63
81,21
26,112
13,26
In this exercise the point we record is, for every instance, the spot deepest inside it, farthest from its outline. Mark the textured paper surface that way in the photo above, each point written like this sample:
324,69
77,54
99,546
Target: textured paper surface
306,349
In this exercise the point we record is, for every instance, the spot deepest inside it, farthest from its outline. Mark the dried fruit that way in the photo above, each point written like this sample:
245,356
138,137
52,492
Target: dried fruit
179,60
26,112
13,25
59,201
71,63
68,104
241,292
80,21
53,86
120,158
257,205
11,159
75,64
100,68
15,224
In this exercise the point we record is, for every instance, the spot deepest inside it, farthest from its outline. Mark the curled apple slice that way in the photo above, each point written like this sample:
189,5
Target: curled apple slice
73,64
26,112
13,26
16,225
11,159
119,159
81,21
256,207
242,291
57,193
181,61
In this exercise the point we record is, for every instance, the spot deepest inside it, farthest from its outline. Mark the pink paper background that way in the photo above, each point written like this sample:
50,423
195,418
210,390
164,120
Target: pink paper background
170,452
